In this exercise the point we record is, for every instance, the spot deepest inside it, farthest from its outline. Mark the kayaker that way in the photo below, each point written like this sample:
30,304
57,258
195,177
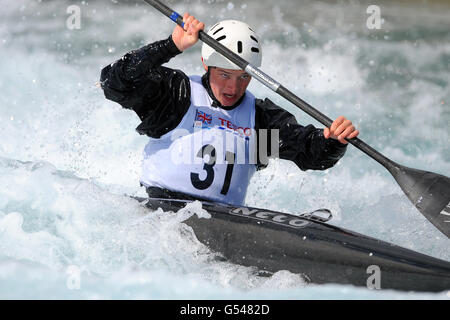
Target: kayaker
175,109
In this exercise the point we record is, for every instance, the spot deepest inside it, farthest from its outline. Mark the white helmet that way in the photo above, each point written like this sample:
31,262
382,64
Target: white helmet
236,36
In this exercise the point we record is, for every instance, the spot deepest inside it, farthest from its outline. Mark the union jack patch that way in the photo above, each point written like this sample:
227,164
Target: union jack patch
203,117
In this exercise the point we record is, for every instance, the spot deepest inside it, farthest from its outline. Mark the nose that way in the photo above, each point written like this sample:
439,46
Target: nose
232,85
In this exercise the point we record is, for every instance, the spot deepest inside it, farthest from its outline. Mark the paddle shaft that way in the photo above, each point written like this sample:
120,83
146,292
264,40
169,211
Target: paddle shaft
271,83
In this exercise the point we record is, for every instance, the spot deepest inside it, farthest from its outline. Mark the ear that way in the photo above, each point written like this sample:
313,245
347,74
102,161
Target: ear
204,65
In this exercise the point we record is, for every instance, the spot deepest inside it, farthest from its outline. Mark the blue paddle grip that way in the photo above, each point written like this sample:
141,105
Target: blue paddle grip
174,16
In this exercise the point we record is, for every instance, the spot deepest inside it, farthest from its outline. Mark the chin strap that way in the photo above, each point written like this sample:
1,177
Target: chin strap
205,82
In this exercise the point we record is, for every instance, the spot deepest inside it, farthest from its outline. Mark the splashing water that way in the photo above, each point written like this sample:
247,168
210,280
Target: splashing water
69,158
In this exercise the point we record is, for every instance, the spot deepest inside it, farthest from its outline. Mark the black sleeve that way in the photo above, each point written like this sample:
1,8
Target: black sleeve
304,145
160,96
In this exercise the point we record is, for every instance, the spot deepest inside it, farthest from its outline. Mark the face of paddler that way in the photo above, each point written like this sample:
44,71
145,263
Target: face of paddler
228,85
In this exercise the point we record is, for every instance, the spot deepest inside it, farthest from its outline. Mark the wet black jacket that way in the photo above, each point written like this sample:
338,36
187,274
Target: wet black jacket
160,96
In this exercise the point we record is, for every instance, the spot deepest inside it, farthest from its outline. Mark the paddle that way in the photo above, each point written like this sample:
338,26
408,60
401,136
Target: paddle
428,191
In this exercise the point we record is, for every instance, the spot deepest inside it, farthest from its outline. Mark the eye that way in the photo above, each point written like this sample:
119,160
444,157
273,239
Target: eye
224,75
245,76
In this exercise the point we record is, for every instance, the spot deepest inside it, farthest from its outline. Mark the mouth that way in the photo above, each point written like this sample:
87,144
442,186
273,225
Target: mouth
229,97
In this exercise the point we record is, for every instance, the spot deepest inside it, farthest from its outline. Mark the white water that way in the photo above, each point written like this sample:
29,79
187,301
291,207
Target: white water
68,156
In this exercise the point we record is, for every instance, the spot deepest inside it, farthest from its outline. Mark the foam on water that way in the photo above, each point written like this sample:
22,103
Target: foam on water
68,156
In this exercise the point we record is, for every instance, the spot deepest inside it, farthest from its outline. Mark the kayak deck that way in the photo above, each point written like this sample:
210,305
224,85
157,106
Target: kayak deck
321,253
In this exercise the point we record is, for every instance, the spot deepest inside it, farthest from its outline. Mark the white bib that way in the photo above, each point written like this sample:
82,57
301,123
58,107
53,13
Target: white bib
210,154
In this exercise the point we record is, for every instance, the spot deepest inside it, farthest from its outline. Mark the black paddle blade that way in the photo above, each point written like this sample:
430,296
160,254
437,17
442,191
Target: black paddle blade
429,192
